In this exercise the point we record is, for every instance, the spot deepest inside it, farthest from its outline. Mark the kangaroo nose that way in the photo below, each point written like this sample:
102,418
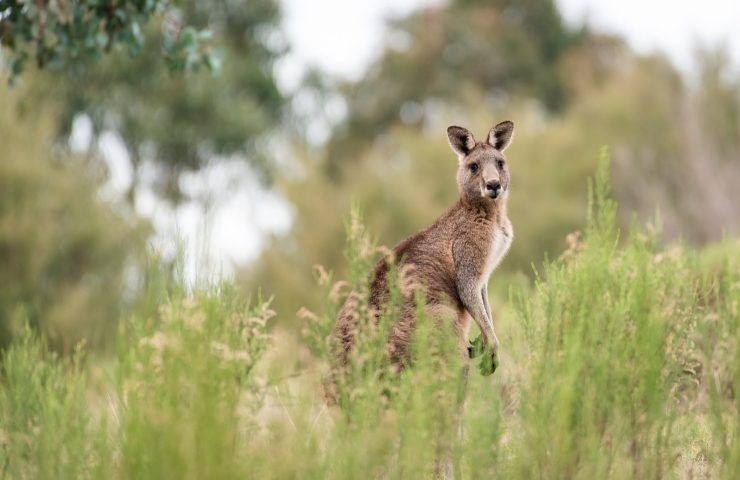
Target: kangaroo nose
493,188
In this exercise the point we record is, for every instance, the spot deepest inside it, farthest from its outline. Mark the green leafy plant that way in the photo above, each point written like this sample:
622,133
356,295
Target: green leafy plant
57,34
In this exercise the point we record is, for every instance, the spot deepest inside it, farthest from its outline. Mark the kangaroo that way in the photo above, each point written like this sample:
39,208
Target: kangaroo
453,258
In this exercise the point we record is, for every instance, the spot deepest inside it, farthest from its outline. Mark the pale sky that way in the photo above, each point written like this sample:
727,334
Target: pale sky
342,37
672,26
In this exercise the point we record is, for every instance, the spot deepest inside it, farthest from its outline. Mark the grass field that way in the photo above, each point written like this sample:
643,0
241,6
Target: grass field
621,360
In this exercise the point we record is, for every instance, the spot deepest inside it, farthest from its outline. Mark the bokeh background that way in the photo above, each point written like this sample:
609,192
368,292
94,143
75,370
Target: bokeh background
250,173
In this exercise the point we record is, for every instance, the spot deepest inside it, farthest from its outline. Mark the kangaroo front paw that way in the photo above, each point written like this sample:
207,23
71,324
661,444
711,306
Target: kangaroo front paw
489,355
489,362
476,347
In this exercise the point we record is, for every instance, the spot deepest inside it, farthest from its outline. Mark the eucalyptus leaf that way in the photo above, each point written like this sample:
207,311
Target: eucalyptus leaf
65,33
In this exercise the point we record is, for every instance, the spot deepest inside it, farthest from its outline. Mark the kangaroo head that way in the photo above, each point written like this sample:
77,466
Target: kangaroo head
482,172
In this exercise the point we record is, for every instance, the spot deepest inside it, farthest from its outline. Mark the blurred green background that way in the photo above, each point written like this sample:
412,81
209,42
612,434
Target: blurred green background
107,157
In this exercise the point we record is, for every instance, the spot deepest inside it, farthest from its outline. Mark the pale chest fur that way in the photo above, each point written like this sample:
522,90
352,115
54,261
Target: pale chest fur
500,240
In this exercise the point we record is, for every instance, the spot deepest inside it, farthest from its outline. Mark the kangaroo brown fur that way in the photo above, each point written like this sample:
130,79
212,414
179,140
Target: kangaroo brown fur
453,258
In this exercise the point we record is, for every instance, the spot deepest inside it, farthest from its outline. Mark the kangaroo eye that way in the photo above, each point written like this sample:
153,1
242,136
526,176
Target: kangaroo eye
500,164
473,167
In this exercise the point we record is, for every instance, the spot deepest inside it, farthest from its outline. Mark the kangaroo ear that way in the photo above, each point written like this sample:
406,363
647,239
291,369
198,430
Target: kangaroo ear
461,140
500,136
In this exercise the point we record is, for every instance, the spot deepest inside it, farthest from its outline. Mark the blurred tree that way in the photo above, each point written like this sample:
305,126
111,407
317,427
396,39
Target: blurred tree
719,100
501,48
57,34
65,257
179,123
673,145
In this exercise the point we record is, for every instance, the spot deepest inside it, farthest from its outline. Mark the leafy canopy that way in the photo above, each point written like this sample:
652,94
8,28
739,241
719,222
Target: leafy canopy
56,34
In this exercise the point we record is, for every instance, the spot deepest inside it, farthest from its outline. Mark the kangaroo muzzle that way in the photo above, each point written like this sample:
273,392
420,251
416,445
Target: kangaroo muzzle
493,188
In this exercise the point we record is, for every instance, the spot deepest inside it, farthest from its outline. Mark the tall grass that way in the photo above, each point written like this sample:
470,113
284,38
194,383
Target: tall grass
620,361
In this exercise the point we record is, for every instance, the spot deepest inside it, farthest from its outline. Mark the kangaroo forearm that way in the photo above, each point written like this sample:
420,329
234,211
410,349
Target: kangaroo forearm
486,305
486,328
474,304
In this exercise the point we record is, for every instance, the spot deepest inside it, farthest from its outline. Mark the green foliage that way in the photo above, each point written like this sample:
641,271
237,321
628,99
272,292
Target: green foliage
185,383
64,253
719,101
622,360
180,123
607,331
58,34
172,405
619,360
45,426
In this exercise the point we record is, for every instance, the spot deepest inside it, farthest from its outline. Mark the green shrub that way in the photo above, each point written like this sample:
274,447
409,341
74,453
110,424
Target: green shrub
46,430
186,394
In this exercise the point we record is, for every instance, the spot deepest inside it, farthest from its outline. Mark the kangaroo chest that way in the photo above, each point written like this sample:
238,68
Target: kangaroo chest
500,241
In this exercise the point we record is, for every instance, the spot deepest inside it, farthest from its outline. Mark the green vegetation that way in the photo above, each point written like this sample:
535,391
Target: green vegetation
621,360
620,346
174,123
64,253
58,34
